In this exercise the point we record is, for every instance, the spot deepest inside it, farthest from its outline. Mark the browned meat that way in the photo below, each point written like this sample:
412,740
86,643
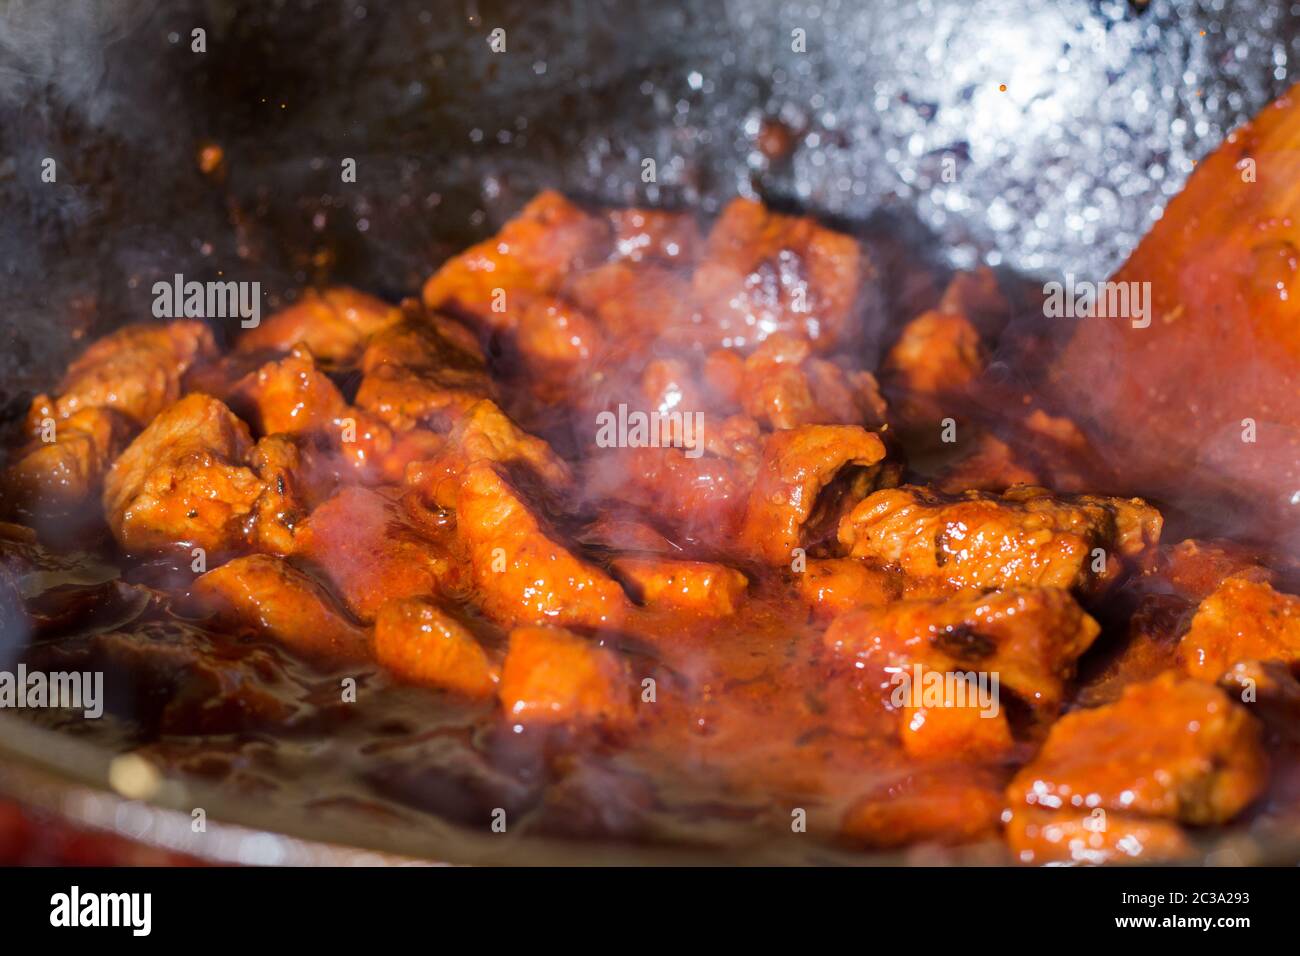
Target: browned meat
421,644
700,587
332,323
928,806
991,466
291,396
1023,537
295,478
424,370
1242,620
834,585
1171,748
785,386
1093,836
938,354
761,273
640,302
551,676
532,255
522,572
60,474
1197,568
1030,638
272,597
136,371
183,481
371,551
798,464
655,234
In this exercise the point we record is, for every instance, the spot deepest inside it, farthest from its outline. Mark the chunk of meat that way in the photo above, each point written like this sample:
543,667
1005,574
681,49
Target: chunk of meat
371,551
641,303
426,369
1171,748
785,386
938,354
797,465
60,474
532,254
522,573
1197,568
991,466
291,396
761,273
1024,537
924,806
1094,837
136,371
421,644
486,433
946,718
977,296
295,478
702,587
557,342
655,234
551,675
1030,638
274,598
183,481
333,323
834,585
1242,620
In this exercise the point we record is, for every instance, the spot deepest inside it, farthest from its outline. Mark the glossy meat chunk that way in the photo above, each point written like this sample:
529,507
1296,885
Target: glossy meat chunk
1197,568
1023,537
938,354
834,585
1030,637
655,235
272,597
1172,748
701,587
797,465
1242,620
761,273
522,571
368,547
333,323
183,482
531,255
784,386
136,371
926,806
292,395
295,476
60,474
1093,836
422,644
553,676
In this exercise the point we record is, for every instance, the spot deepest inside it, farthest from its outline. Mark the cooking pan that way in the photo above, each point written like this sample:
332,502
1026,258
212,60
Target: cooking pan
1039,138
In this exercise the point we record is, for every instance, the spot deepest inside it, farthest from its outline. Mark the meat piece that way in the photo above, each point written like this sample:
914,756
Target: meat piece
183,481
135,371
655,234
522,572
371,551
1024,537
59,475
938,354
991,466
1030,638
925,806
645,303
557,342
977,296
486,433
333,323
701,587
426,369
1171,748
295,478
1093,837
1242,620
1197,568
797,466
784,386
291,396
531,255
551,675
274,598
947,718
835,585
421,644
761,273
